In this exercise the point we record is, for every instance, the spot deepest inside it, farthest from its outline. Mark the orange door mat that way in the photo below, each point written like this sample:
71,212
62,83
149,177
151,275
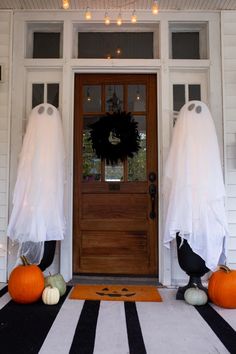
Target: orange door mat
116,293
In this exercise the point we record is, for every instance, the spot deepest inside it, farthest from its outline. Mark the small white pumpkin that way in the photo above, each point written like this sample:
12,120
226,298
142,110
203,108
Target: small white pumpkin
195,296
51,295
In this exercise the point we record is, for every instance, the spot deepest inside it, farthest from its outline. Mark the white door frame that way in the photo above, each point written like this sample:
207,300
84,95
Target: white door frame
66,254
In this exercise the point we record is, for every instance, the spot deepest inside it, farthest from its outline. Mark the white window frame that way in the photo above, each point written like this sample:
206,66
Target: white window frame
32,27
200,27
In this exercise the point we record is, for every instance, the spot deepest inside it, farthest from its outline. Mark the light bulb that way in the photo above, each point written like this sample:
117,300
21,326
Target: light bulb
88,96
138,97
118,51
88,14
65,4
119,20
155,8
134,17
107,19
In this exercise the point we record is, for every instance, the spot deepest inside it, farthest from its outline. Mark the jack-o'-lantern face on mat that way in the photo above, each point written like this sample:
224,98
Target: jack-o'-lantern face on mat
110,292
115,293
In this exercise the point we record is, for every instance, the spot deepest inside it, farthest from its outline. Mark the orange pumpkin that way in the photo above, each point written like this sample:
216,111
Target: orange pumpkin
26,283
222,287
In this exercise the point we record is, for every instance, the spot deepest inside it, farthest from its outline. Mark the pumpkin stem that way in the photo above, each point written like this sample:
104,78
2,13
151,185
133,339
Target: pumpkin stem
225,268
195,285
24,261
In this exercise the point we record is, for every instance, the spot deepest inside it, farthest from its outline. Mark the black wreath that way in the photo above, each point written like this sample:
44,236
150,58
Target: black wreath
115,137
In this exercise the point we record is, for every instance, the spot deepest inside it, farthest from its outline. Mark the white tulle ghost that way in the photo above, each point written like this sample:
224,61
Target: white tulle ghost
37,213
194,187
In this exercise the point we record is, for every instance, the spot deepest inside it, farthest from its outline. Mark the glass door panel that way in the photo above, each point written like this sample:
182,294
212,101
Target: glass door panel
91,99
137,165
114,173
114,98
136,98
91,163
131,98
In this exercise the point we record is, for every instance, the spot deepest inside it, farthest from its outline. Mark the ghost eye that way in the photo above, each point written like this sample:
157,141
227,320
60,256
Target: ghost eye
191,107
41,110
105,289
50,111
198,109
124,289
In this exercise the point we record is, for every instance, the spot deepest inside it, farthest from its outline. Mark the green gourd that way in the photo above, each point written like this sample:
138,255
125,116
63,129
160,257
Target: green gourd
57,281
195,296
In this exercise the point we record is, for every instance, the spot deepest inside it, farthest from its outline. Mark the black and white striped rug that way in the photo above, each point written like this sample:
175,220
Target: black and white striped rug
113,327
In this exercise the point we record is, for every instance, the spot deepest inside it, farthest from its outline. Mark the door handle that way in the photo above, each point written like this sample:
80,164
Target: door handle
152,193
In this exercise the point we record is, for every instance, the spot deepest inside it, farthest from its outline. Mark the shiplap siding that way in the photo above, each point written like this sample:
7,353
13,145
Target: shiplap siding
229,90
166,5
5,59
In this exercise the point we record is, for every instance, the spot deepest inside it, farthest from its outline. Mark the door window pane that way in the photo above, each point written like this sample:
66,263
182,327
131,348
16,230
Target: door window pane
136,98
137,164
46,45
194,92
114,173
178,97
115,45
114,98
91,163
53,94
91,98
37,94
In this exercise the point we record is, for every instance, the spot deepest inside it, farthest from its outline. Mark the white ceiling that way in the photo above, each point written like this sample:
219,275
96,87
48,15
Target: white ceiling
164,5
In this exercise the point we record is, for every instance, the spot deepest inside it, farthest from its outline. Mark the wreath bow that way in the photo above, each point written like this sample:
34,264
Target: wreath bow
115,137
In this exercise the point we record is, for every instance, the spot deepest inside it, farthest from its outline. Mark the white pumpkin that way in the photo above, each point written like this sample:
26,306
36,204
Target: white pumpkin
51,295
195,296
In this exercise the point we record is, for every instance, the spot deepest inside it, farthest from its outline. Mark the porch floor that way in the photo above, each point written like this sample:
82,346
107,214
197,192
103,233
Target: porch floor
168,327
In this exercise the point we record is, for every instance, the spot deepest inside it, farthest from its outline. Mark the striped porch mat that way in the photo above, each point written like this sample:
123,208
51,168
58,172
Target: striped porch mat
115,327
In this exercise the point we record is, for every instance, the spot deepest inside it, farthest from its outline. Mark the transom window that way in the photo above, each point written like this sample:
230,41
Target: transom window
188,40
133,45
44,40
127,42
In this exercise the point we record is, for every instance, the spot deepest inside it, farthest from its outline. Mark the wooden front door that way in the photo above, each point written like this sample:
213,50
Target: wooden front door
115,206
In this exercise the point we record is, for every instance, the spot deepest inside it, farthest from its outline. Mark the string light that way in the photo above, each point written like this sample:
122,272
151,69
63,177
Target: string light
119,20
118,51
107,19
134,17
65,4
155,7
88,96
137,94
88,14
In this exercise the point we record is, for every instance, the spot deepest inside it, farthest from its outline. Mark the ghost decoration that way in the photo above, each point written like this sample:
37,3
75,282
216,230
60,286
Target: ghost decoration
194,187
37,215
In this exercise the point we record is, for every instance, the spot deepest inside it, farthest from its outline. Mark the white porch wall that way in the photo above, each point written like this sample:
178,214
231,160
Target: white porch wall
5,60
170,273
228,23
